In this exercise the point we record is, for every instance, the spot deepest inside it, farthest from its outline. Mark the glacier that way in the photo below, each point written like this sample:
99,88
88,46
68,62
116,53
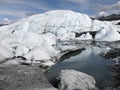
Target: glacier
39,38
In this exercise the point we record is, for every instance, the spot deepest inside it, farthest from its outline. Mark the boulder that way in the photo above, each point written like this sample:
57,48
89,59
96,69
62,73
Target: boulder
75,80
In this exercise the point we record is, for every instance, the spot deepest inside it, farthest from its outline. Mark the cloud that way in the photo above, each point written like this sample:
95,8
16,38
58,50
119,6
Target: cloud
101,14
21,13
108,8
40,5
79,1
76,5
19,8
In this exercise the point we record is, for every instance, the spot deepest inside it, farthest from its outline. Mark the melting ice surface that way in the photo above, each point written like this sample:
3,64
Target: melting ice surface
87,61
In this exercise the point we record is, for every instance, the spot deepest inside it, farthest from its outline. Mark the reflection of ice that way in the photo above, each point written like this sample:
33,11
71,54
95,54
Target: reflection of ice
85,53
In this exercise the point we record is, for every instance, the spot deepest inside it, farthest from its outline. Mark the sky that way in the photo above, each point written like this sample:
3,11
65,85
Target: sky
16,9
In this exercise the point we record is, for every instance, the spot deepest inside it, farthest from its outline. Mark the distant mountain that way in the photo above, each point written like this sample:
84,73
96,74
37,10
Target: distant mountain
110,17
5,21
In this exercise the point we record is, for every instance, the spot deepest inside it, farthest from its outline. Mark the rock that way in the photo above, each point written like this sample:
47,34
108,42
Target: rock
75,80
20,77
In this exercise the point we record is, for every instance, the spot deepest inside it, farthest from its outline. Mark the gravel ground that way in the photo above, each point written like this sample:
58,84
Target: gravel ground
21,77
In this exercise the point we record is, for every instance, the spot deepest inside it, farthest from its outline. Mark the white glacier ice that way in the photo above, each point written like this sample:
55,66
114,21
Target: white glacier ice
86,36
36,37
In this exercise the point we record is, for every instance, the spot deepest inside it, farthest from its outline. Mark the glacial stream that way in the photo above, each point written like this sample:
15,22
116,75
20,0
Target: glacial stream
86,60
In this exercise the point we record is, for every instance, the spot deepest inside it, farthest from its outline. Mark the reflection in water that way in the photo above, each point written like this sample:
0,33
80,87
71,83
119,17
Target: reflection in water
87,61
71,54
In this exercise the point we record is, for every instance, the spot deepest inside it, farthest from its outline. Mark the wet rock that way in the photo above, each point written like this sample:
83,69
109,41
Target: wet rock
75,80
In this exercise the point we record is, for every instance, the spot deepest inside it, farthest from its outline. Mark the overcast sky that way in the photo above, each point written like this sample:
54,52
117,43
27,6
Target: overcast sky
15,9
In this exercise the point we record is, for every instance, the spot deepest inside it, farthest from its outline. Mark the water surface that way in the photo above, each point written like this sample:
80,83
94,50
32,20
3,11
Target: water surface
87,61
